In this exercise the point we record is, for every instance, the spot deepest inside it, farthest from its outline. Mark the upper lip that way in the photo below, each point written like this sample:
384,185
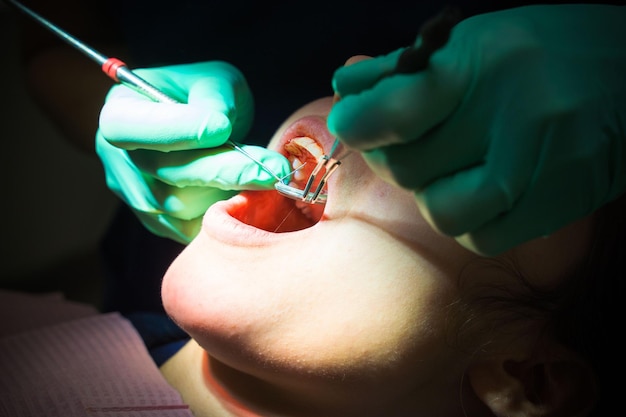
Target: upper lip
310,126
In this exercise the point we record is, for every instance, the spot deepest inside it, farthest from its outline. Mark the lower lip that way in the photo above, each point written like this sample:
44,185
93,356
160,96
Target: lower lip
220,225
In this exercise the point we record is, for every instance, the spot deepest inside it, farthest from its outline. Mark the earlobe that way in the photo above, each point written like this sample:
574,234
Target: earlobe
558,384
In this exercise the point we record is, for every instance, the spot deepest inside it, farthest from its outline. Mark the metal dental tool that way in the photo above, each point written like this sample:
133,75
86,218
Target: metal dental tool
434,33
120,73
329,163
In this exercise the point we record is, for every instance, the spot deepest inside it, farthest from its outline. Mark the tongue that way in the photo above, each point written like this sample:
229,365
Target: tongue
272,212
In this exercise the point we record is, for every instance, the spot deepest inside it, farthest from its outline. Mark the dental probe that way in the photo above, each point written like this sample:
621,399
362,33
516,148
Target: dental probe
119,72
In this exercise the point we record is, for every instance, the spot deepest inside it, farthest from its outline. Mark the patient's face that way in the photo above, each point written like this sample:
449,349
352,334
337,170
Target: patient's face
341,308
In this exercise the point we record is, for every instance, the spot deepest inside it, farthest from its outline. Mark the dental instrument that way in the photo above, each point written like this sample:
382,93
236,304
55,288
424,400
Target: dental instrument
119,72
329,163
434,34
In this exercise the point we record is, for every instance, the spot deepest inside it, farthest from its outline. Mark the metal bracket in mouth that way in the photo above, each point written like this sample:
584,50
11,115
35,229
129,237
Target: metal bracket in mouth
298,194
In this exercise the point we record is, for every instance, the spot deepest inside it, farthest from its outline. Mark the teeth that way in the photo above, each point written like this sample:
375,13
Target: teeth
299,146
305,208
298,175
303,150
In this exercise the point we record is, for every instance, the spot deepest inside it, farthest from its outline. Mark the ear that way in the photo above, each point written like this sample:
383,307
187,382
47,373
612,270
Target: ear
551,381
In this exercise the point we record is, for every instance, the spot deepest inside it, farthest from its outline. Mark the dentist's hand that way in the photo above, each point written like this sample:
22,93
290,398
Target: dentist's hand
516,128
168,161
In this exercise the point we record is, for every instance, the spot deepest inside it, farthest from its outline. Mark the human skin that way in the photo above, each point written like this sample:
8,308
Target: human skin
345,316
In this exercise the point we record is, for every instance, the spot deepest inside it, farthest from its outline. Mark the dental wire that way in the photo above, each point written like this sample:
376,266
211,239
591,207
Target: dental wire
291,173
119,72
285,219
257,161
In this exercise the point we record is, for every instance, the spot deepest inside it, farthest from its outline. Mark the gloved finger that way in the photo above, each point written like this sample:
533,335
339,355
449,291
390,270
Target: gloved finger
363,75
161,224
178,81
403,107
464,201
223,168
131,121
224,91
575,172
147,194
452,146
469,198
538,213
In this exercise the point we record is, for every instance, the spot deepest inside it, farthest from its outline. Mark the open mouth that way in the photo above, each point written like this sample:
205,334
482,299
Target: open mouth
272,212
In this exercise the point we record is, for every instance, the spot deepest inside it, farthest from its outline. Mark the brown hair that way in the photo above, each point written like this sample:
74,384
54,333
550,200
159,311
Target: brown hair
584,312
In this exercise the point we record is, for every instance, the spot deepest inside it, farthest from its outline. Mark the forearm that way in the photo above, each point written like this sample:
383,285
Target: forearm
70,89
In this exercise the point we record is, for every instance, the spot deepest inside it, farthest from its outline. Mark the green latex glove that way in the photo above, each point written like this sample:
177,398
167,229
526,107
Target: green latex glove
516,128
166,161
